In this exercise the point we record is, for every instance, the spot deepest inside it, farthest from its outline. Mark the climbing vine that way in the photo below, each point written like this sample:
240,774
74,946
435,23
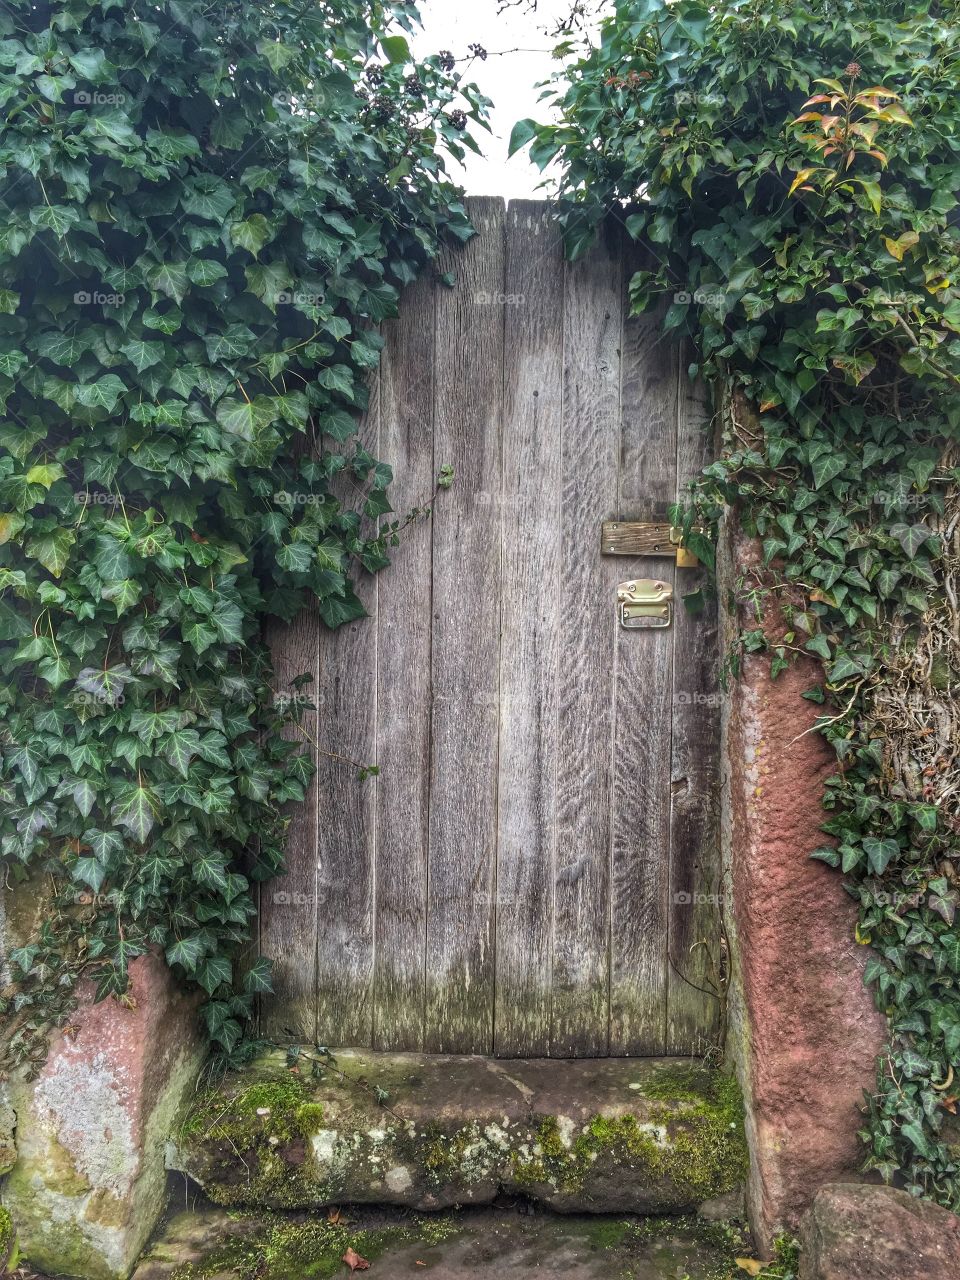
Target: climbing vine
795,168
208,211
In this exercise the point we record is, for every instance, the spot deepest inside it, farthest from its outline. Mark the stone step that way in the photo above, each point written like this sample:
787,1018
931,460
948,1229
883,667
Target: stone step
306,1130
473,1244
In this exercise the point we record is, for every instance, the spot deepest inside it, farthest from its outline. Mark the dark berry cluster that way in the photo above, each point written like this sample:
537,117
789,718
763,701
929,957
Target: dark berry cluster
374,75
447,60
383,107
414,86
458,119
478,51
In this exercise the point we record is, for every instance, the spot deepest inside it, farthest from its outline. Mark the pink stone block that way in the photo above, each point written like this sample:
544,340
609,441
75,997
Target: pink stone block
89,1182
809,1034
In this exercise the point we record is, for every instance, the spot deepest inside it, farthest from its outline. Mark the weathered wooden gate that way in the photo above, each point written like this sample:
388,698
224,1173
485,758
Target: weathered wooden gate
534,870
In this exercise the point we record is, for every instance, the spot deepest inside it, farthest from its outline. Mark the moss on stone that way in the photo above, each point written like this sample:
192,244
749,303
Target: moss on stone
607,1233
8,1241
678,1140
278,1109
697,1143
291,1249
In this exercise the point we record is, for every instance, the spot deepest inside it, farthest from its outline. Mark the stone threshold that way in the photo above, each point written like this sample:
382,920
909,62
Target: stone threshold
499,1243
612,1135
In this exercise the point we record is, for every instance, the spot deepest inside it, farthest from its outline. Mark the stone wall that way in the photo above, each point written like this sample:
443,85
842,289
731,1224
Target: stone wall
84,1145
804,1032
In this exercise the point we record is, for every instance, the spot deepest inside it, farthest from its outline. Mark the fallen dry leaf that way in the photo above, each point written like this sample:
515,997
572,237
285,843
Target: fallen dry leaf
354,1261
750,1265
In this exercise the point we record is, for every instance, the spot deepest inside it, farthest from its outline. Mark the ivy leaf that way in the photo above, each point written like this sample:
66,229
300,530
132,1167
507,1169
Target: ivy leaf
244,418
396,48
102,394
103,843
214,973
142,355
90,872
52,550
911,537
136,810
84,797
819,645
826,468
252,234
523,131
188,952
880,853
258,980
296,557
180,748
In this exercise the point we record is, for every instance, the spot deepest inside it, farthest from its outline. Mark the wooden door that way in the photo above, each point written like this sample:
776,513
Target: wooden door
534,870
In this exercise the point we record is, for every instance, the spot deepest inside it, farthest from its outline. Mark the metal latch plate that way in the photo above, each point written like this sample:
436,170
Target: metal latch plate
644,603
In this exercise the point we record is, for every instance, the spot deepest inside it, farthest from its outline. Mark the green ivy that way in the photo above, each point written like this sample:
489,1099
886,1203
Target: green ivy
208,211
794,169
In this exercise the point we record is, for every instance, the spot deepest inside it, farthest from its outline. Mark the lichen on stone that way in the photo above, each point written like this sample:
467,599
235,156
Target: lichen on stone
697,1144
666,1139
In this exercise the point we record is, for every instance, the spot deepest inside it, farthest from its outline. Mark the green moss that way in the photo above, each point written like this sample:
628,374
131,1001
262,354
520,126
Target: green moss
786,1258
8,1241
607,1233
310,1117
286,1249
276,1105
697,1143
250,1145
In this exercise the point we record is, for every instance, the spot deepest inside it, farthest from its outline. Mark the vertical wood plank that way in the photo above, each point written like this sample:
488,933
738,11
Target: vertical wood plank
586,588
403,700
466,645
288,904
641,800
346,829
693,1012
531,629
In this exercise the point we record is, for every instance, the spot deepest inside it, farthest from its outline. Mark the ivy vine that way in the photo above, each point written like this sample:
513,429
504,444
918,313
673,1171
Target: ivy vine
208,211
795,168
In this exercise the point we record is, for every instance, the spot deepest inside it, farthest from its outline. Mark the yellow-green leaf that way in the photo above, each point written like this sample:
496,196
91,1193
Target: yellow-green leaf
46,474
10,526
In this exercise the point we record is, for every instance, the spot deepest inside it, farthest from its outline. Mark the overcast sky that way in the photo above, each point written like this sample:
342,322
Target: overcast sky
509,80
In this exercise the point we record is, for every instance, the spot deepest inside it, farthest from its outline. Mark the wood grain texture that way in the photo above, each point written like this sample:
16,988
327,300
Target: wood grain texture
403,699
288,905
534,871
466,644
587,590
695,880
347,806
532,631
637,538
644,675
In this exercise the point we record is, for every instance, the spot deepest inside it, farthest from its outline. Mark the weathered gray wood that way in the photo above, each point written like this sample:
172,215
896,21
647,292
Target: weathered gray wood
466,644
694,935
587,590
346,839
532,630
545,813
403,699
644,667
288,905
